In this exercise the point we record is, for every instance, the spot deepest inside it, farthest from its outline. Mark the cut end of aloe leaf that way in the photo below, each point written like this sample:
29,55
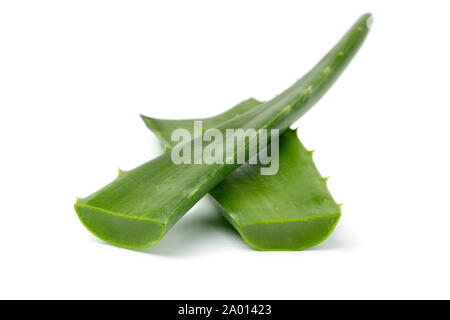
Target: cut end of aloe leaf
369,20
120,230
290,235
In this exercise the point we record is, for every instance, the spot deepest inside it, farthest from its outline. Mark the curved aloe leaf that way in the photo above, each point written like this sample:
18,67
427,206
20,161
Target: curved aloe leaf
137,208
292,210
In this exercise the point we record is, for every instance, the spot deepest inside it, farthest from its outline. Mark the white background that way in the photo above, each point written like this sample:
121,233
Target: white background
75,75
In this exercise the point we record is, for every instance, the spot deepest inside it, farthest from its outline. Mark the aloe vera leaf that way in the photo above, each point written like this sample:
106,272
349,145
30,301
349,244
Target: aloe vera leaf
137,208
164,128
292,210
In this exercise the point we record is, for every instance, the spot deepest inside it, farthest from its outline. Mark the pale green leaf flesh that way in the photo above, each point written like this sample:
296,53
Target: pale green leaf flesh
137,208
292,210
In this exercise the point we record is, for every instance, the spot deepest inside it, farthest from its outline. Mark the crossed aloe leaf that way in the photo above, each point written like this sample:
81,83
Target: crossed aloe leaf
291,210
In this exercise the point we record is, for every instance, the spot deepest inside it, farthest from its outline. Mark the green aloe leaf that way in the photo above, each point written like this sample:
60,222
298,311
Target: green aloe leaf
137,208
292,210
